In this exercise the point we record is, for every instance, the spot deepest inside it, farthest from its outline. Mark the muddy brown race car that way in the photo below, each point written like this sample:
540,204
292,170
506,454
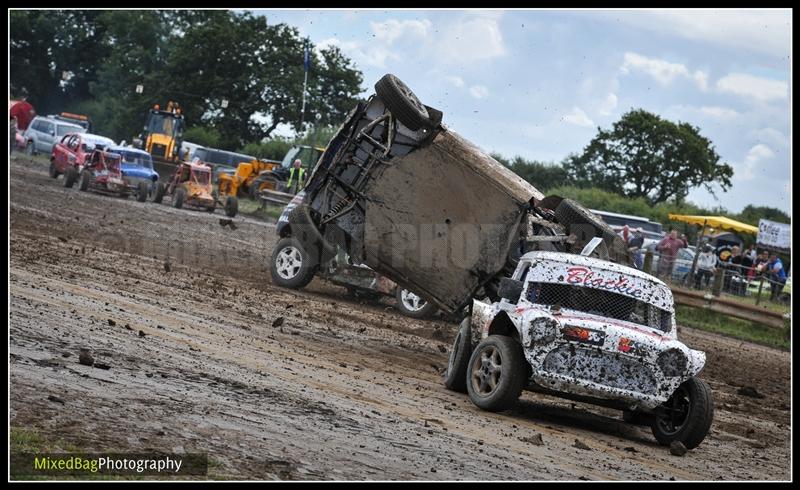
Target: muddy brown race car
190,184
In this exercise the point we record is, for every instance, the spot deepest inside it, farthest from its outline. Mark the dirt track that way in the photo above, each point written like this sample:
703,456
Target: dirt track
342,390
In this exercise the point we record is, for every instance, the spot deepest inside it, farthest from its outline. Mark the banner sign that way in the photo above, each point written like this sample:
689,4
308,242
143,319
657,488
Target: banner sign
772,234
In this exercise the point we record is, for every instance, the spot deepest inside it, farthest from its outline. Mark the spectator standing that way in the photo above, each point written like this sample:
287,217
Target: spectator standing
777,276
706,266
668,247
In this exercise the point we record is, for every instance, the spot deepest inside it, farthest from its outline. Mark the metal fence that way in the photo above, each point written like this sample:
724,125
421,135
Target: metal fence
732,279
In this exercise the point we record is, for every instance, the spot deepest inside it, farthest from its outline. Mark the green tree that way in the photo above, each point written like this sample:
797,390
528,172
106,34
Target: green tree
543,176
646,156
752,214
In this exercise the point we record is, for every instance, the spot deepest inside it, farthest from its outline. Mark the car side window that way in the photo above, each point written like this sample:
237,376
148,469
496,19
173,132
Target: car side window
48,127
73,143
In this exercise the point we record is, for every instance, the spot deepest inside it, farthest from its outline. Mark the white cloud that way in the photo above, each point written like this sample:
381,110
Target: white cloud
371,55
392,30
608,105
757,154
479,37
719,112
701,79
478,91
769,135
761,89
456,81
578,118
663,71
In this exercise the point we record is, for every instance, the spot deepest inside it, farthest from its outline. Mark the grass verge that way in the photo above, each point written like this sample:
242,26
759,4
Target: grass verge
710,321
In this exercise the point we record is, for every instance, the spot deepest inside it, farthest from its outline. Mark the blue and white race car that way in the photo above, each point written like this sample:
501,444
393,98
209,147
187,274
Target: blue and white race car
137,171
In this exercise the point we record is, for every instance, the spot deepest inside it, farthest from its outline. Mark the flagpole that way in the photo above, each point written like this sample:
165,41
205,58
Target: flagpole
306,63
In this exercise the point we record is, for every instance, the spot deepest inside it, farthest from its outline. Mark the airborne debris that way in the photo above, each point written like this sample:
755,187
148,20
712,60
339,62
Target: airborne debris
141,333
111,322
85,358
278,322
167,265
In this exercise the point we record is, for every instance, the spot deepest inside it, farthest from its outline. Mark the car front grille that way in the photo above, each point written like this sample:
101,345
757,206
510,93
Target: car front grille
597,366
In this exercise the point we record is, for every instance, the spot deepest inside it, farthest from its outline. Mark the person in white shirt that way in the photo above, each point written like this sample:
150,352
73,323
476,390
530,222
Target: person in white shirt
706,266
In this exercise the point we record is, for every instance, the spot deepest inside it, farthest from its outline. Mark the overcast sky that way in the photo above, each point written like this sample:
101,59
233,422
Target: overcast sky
539,83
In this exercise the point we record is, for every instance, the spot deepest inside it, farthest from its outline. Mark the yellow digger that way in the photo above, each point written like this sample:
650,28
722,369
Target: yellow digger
256,175
163,133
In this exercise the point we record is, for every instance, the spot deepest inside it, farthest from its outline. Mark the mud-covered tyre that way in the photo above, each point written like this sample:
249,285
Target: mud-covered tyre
455,377
290,265
70,177
178,197
686,416
411,305
86,179
581,222
29,149
52,170
141,191
496,373
402,102
158,195
231,206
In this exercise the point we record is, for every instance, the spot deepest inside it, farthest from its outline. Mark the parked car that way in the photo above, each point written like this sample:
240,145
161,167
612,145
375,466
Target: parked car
588,330
73,151
43,133
137,171
101,172
79,119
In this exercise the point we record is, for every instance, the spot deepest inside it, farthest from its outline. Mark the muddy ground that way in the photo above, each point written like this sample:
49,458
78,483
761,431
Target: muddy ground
341,390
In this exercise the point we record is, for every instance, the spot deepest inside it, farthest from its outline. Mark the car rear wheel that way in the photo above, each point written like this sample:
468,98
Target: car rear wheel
409,304
141,191
158,195
686,416
86,177
496,373
70,176
290,265
52,171
455,377
402,102
178,197
29,149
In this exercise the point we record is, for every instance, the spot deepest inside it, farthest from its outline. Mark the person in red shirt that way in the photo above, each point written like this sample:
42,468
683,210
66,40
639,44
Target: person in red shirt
669,247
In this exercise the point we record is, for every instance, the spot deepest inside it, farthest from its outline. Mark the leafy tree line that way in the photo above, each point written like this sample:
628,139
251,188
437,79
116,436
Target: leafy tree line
90,62
644,166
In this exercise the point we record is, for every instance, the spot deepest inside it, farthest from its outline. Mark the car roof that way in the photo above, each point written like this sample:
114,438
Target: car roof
128,150
58,122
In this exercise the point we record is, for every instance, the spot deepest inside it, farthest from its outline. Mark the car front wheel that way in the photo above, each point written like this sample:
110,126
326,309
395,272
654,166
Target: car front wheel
496,373
290,266
686,416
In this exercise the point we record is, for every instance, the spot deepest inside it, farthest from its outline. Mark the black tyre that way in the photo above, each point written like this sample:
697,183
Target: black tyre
52,171
409,304
29,149
141,191
231,206
178,197
402,102
686,416
255,186
290,265
455,377
70,177
86,179
581,222
158,195
496,373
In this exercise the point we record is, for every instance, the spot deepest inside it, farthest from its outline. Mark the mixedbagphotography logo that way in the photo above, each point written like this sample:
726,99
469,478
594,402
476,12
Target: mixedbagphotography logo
27,465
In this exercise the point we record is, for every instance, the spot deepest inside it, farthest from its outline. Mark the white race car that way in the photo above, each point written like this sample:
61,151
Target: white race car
589,330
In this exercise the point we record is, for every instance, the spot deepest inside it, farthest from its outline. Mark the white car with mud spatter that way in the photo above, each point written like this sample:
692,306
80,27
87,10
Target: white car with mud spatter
588,330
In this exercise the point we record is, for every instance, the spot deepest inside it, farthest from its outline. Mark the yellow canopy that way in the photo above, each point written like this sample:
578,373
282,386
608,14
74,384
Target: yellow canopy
715,222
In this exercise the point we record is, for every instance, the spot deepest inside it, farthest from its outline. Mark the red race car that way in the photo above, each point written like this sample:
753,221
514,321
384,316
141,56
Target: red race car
101,172
72,152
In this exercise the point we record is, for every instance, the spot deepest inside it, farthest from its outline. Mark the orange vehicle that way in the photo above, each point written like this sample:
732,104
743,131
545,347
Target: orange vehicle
190,184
